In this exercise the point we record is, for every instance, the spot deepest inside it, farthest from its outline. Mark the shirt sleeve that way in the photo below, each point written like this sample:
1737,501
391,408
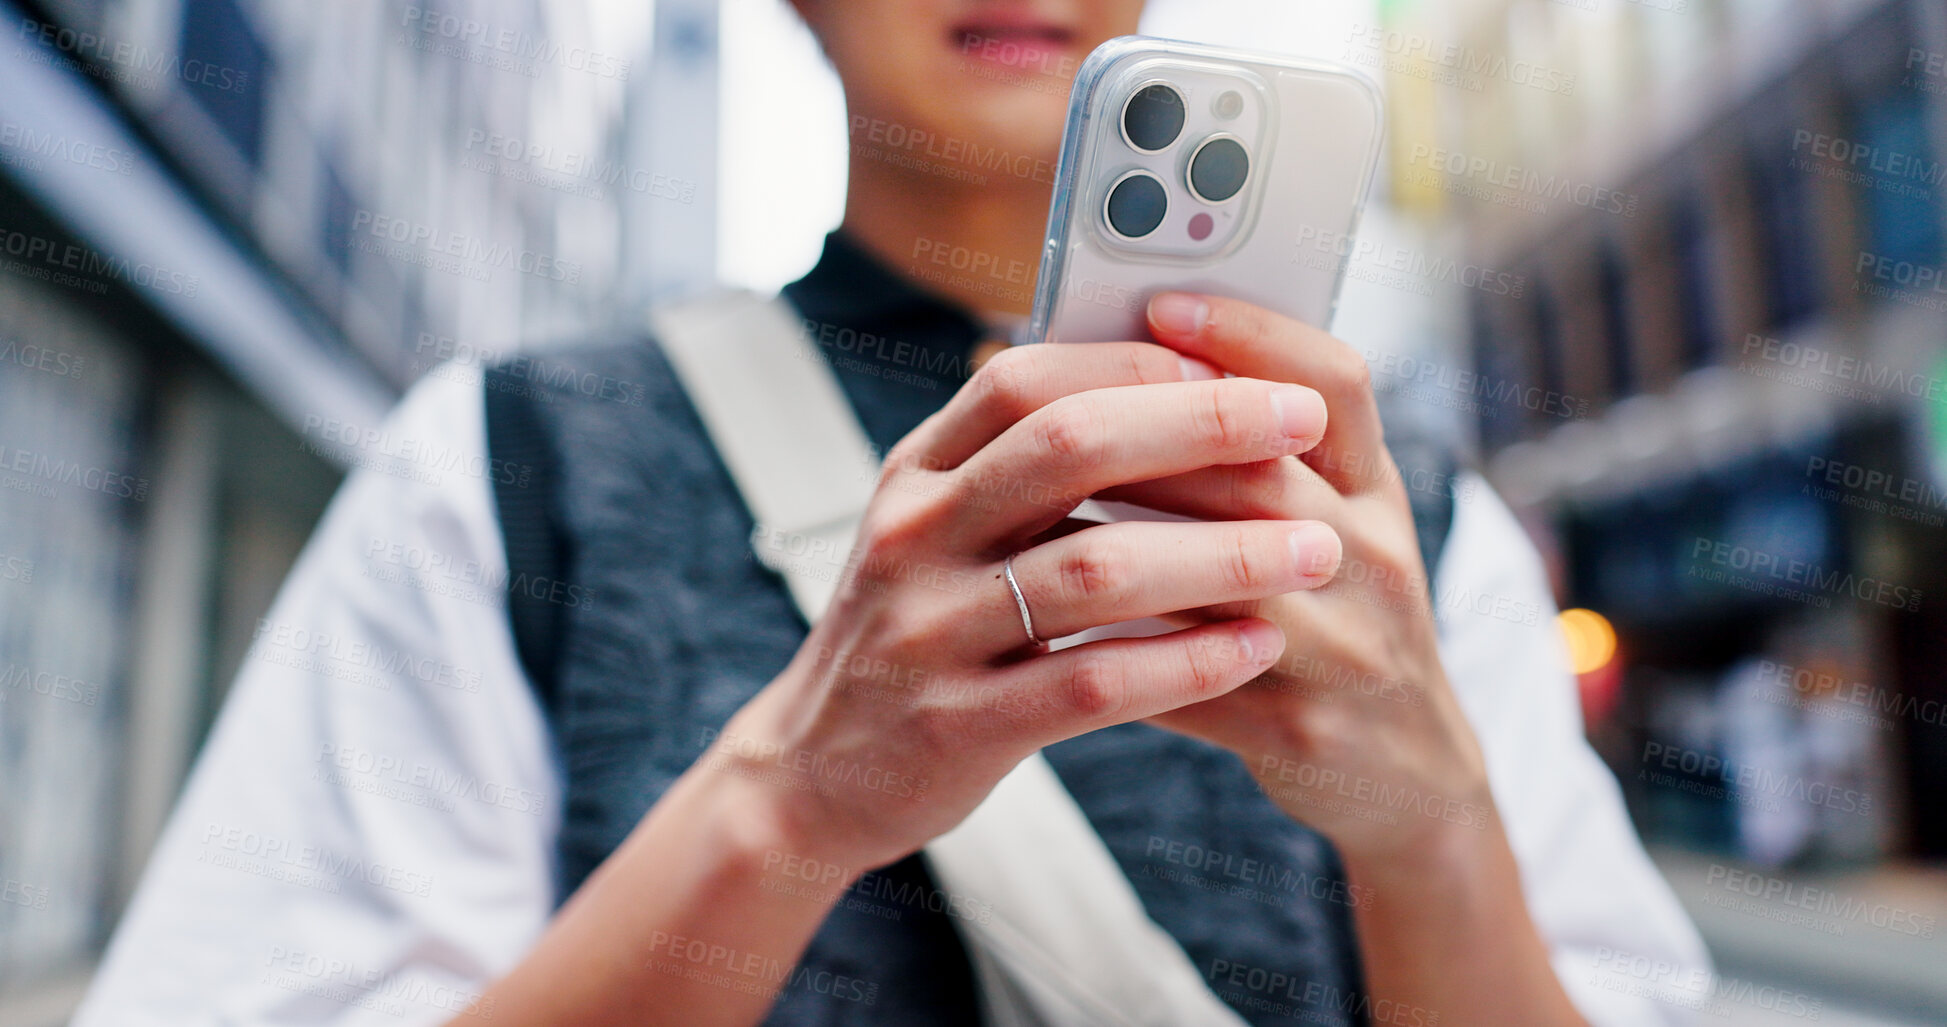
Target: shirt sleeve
1620,942
367,836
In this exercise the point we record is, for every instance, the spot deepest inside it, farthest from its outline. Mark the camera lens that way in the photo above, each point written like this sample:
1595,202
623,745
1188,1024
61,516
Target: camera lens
1136,205
1153,118
1218,169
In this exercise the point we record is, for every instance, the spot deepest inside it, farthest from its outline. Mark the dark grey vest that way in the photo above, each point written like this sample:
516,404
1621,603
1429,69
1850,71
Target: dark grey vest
646,623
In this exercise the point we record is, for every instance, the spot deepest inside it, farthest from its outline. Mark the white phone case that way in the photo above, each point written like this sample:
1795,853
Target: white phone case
1312,131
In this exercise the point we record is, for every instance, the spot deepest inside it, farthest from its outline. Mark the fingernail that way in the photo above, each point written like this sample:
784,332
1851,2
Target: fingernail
1300,411
1195,370
1315,549
1258,643
1178,313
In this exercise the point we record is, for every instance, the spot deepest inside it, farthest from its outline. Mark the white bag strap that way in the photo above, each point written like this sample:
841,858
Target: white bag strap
1068,941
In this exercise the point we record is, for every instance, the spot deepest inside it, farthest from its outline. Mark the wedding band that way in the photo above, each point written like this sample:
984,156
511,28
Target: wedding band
1027,619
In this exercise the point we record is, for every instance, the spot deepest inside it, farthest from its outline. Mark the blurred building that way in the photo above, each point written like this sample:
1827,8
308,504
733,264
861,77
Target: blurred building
1674,268
1708,310
231,232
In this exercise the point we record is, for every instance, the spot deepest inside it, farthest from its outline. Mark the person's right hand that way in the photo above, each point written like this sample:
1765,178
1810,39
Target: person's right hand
919,688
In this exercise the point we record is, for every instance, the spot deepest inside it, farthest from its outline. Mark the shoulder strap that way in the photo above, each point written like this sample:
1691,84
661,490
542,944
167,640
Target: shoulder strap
1069,941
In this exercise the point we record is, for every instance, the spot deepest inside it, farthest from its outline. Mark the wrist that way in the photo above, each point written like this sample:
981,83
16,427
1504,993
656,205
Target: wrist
760,825
1449,859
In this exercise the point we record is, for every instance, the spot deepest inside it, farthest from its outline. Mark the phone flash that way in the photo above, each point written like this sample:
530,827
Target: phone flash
1200,227
1228,105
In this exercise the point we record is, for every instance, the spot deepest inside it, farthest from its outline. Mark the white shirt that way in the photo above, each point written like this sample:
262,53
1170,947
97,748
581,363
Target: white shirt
367,836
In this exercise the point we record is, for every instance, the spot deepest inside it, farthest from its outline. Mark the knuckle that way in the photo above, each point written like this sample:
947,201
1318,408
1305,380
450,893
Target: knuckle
1357,373
1095,572
1211,662
1150,364
904,458
934,729
1067,431
895,528
1095,688
1220,422
1245,567
1005,383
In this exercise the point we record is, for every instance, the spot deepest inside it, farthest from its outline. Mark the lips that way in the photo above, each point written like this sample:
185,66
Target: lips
1021,41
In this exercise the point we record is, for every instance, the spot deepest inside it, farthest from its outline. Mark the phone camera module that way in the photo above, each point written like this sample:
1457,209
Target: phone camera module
1136,205
1153,117
1218,169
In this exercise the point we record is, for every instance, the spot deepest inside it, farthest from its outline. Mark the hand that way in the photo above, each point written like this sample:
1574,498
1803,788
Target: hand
918,691
1355,731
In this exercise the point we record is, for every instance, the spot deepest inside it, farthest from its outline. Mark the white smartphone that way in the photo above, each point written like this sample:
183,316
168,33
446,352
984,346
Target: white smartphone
1204,169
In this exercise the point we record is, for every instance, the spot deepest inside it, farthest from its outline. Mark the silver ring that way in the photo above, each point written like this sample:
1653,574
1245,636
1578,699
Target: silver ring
1027,619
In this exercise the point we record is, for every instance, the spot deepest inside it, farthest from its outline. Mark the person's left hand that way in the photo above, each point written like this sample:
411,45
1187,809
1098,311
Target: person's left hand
1355,731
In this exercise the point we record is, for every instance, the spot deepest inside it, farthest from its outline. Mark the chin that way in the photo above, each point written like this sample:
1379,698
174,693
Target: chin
1019,123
